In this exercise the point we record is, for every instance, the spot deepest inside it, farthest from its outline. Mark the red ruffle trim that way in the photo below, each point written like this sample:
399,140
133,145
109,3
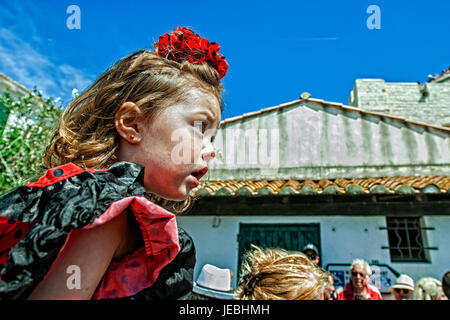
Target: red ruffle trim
60,173
140,269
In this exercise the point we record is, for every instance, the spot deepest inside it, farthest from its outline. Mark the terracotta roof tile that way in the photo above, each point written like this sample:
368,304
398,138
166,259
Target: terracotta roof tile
344,186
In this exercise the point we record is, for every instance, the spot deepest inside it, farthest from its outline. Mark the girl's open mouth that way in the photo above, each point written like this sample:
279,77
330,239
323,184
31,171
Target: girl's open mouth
200,173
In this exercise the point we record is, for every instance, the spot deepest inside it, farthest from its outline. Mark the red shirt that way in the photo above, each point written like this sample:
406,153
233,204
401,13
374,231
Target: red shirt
348,294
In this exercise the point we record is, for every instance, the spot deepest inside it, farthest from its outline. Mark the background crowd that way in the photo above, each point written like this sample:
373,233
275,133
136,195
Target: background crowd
277,274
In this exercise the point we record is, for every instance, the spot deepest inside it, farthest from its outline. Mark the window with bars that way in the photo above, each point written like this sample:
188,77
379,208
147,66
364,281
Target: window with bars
406,239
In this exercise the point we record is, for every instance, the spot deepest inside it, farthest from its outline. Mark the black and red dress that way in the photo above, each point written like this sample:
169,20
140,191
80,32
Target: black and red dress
36,220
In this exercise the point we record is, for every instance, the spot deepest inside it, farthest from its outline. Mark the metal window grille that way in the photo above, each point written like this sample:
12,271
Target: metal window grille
406,243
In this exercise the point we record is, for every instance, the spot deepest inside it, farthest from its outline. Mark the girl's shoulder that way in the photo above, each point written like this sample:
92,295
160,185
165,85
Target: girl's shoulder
118,173
71,189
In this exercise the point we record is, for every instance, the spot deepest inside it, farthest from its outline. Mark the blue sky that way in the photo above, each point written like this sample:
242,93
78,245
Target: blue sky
276,49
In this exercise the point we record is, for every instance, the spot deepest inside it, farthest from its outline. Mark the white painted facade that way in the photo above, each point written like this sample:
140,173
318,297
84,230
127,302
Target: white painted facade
316,139
343,239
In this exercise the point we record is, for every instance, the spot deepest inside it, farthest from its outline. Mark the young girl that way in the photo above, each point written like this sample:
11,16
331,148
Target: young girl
276,274
87,229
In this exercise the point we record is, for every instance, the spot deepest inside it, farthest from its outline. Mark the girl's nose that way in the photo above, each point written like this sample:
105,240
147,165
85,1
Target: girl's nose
208,152
208,155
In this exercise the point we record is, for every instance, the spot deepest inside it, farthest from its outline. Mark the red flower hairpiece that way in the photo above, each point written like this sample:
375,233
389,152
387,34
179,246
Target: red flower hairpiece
183,44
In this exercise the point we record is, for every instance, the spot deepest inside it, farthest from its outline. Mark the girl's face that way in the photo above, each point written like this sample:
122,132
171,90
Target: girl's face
175,145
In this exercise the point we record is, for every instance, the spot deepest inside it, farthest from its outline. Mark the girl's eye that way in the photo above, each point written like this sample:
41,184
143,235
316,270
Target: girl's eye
200,126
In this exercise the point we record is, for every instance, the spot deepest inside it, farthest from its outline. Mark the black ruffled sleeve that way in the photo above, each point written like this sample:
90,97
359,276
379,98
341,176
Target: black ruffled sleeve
65,198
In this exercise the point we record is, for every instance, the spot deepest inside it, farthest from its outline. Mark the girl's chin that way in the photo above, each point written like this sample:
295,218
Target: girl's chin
178,192
176,196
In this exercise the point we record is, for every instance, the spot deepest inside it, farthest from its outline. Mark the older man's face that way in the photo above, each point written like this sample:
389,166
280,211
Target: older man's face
358,278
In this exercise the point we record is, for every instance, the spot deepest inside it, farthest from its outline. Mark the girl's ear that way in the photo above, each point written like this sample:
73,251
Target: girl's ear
126,120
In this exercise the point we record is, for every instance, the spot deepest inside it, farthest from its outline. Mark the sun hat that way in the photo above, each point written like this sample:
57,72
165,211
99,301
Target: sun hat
403,282
214,282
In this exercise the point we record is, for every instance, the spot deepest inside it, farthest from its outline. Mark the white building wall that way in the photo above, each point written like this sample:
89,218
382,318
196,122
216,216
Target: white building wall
353,237
343,239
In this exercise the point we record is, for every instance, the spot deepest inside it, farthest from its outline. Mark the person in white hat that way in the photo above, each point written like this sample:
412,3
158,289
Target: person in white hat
403,288
214,283
312,252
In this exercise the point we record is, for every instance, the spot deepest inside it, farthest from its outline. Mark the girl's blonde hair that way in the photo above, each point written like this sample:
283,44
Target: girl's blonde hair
427,289
277,274
86,133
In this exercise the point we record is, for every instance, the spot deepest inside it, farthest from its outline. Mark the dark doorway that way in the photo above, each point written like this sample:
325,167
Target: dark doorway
291,237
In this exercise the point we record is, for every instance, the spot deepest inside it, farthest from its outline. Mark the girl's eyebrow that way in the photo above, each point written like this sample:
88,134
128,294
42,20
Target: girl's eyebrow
208,115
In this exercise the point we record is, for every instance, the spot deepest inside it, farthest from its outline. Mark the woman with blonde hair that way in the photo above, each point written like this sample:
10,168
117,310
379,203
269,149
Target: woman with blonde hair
277,274
429,289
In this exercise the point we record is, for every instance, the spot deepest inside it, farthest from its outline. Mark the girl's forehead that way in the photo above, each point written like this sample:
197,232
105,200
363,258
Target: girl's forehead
200,96
194,102
199,100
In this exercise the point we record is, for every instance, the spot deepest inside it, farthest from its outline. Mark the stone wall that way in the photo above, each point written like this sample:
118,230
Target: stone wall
428,103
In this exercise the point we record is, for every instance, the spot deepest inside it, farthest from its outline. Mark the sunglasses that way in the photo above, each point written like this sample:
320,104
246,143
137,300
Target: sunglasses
311,256
406,291
355,274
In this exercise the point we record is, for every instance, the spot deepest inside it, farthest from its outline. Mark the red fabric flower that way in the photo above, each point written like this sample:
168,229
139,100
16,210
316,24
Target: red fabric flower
183,44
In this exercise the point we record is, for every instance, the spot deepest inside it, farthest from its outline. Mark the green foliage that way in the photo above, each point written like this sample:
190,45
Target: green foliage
26,125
